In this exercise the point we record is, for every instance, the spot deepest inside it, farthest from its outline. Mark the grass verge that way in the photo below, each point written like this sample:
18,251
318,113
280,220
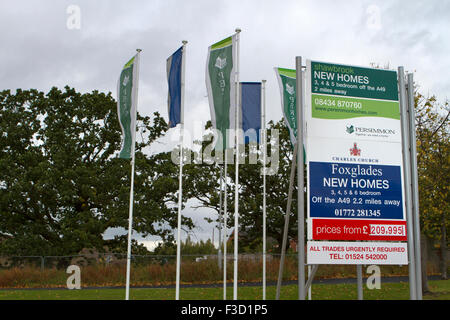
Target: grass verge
388,291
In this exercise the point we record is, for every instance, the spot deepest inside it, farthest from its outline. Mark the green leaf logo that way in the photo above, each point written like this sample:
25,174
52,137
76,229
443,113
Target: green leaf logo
290,89
125,81
221,63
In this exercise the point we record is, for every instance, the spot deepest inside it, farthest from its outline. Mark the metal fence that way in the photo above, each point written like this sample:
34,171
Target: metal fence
108,269
83,260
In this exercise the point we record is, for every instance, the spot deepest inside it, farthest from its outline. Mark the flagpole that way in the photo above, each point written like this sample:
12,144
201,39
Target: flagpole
236,190
263,90
130,217
225,220
180,193
219,251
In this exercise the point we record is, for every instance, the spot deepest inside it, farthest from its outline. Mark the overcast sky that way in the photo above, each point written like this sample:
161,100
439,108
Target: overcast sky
42,46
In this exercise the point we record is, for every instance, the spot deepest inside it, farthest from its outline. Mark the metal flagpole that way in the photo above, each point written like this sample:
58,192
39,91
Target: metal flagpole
407,184
225,228
130,216
286,220
414,185
130,225
263,91
219,251
300,181
180,193
236,190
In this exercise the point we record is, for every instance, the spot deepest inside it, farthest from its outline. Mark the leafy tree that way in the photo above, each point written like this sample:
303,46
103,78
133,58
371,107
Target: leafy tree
433,162
61,183
277,186
188,247
203,183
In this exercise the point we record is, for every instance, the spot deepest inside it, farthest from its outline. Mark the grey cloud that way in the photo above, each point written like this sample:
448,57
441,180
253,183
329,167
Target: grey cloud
38,51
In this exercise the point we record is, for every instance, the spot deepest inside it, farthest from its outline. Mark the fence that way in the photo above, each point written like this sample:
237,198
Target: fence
152,270
109,269
104,259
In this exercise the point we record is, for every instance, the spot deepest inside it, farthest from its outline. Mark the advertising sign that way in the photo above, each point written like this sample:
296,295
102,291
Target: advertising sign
355,172
327,252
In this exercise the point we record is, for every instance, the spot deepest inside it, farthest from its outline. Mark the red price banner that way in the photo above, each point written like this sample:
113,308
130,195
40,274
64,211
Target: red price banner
352,229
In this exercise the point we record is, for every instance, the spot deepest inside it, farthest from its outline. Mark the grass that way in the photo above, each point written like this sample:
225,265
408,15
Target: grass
154,274
389,291
14,280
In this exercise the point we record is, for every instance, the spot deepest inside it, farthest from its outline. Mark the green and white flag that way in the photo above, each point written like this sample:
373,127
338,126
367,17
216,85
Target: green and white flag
126,106
221,86
287,83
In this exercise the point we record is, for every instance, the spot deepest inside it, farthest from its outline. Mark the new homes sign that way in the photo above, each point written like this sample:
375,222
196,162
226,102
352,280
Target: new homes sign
355,172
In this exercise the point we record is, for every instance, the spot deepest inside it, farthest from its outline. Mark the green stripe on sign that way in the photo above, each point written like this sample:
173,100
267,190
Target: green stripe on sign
332,107
221,44
291,73
129,63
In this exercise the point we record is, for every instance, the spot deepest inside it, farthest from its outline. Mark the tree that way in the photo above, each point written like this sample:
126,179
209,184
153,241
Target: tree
433,162
188,247
61,183
277,186
202,184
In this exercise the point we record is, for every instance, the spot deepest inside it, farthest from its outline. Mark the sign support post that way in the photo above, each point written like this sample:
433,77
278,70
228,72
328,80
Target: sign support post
414,185
300,182
359,280
407,183
286,221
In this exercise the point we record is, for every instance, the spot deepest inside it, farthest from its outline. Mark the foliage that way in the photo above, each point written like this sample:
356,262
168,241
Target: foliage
61,183
188,247
433,162
202,183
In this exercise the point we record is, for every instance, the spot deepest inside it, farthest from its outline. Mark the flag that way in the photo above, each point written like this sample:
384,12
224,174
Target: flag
127,88
221,87
174,74
287,83
175,78
126,106
251,111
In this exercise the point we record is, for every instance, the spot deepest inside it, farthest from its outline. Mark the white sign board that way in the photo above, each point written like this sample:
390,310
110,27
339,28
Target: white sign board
355,165
334,252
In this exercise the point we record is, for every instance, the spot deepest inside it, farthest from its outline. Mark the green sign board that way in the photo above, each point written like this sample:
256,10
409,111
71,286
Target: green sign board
343,92
352,81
